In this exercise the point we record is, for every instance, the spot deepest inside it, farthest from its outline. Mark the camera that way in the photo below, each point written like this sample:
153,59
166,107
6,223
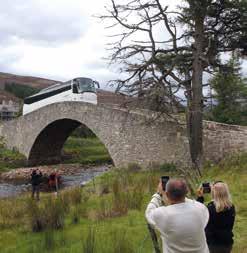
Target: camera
164,180
206,187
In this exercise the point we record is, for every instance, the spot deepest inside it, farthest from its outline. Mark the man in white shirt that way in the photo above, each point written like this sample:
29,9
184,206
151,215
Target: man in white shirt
181,223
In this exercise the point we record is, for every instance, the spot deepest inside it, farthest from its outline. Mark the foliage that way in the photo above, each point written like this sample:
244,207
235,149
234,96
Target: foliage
20,90
231,95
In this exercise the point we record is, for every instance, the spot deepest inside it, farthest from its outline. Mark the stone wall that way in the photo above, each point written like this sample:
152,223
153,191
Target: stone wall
128,136
222,140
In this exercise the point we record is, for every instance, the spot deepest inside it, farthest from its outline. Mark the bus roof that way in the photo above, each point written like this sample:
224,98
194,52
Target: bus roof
52,90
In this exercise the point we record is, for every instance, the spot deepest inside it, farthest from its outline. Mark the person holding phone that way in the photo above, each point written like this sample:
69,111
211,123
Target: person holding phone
182,222
221,217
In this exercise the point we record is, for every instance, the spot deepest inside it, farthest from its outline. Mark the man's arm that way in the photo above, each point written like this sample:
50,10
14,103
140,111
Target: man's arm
155,202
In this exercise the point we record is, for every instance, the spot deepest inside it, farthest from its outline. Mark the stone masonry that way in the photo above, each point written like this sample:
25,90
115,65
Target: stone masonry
128,136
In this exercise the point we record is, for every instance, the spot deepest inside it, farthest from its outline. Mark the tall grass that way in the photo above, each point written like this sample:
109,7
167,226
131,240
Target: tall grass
89,245
107,223
47,215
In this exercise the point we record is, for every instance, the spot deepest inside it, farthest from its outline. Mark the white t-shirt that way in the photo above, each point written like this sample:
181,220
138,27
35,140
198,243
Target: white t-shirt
181,225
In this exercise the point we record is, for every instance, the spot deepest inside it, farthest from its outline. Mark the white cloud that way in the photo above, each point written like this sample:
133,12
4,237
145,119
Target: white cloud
57,39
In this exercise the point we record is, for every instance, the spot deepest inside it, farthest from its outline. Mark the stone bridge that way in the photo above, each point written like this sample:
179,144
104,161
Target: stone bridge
129,137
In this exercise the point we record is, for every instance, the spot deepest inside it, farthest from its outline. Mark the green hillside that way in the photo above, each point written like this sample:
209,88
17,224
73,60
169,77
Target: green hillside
20,90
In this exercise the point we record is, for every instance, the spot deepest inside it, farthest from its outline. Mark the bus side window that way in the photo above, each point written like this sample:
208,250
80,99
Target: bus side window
74,87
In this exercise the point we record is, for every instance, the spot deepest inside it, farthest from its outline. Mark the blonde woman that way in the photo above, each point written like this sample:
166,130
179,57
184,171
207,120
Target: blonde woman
221,218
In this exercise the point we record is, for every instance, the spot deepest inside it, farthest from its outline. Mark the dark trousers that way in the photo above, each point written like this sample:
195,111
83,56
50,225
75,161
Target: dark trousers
220,249
35,189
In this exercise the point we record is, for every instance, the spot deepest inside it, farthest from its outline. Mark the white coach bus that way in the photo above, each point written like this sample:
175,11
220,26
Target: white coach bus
80,89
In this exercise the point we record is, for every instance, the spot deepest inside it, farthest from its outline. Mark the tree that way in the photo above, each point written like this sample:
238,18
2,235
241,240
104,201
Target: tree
20,90
230,94
177,47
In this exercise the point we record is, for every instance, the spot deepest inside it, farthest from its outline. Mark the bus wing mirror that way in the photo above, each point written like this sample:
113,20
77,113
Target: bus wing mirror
96,84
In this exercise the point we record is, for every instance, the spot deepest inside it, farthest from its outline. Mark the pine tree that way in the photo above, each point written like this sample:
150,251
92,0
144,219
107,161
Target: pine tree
230,90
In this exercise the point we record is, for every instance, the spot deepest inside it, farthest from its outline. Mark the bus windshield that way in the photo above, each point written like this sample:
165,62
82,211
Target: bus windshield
85,85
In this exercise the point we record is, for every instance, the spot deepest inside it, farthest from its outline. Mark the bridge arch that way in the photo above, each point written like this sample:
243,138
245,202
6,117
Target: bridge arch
48,145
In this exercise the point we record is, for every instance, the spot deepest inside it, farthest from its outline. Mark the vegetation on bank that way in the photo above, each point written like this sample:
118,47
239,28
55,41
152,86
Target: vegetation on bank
85,151
108,214
10,159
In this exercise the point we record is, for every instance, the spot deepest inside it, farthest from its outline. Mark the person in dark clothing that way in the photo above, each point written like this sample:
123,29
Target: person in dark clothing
36,179
221,219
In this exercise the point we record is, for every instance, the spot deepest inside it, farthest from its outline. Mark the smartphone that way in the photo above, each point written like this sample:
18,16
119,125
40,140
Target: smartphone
164,180
206,187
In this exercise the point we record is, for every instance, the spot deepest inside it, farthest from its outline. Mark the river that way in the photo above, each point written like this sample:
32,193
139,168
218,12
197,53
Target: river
14,188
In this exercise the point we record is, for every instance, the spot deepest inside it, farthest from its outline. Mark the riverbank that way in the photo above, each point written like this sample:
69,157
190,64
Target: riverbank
23,174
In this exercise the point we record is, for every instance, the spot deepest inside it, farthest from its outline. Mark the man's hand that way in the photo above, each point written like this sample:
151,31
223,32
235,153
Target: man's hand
160,188
199,192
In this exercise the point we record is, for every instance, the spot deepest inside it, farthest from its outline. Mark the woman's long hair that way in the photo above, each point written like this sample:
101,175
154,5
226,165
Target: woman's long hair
221,196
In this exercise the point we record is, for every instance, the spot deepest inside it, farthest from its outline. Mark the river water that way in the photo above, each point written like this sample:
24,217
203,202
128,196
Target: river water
12,189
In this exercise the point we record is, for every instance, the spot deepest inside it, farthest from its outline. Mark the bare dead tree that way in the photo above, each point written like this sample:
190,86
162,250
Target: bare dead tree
165,52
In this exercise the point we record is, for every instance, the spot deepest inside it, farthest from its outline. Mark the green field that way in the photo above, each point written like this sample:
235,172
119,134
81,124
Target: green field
106,216
85,151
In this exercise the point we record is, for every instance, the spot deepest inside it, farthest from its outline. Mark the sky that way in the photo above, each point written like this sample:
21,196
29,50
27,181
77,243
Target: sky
55,39
58,39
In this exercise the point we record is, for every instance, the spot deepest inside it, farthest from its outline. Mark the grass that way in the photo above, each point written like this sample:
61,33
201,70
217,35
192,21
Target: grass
108,217
10,159
85,151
